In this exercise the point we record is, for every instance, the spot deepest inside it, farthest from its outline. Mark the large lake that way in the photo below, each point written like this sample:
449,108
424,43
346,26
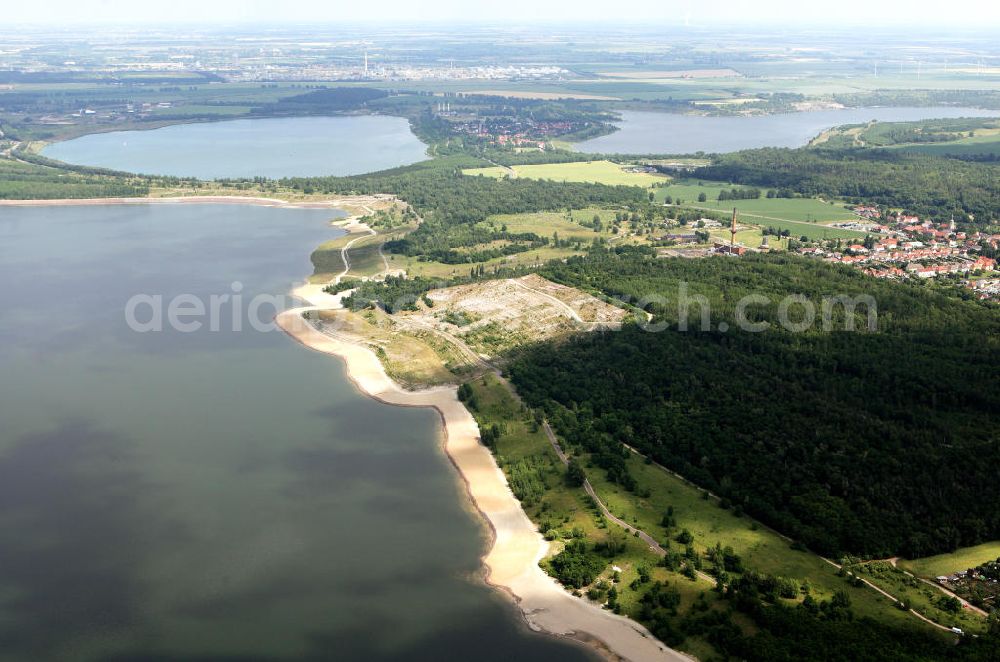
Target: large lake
672,133
214,495
278,147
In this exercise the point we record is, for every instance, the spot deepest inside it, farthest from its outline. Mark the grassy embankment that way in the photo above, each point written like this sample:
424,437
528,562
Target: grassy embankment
363,255
979,145
939,137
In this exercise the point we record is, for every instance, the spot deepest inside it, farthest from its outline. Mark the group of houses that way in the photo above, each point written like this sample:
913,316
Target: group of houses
906,247
516,131
979,585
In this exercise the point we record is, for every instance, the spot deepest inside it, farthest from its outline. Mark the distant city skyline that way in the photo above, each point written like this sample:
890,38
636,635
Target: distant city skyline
971,14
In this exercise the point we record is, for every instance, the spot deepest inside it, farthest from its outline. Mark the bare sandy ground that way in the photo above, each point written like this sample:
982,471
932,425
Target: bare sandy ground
517,547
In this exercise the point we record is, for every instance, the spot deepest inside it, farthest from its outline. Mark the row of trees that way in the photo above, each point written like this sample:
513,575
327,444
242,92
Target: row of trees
19,181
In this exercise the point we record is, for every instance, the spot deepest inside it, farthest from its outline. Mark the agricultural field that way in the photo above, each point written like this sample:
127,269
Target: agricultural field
199,110
800,216
946,564
599,172
550,96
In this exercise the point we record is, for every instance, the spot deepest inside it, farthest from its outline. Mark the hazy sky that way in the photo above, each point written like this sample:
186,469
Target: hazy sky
973,14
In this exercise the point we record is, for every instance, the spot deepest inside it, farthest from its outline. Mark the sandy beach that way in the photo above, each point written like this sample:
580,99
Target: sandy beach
516,547
191,199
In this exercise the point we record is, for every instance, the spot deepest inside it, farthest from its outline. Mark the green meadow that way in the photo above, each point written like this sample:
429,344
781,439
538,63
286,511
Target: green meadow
567,224
987,145
761,548
800,216
598,172
960,559
920,596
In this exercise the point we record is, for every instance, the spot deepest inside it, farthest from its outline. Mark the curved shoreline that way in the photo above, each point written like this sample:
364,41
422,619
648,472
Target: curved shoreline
516,546
511,564
189,199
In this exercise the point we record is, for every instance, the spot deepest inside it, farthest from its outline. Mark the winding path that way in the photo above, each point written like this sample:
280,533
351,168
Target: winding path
589,489
559,303
965,603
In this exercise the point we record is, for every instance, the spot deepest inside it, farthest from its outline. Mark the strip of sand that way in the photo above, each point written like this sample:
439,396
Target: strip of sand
190,199
517,546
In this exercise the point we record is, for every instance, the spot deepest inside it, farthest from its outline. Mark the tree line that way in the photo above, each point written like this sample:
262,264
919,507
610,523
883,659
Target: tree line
927,185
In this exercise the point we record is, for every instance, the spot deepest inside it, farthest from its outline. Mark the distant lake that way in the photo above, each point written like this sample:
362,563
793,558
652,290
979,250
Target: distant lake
220,495
673,133
272,147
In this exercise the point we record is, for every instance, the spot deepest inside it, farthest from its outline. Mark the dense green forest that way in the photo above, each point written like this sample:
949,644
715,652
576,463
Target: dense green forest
925,97
827,632
19,180
875,443
451,204
927,185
